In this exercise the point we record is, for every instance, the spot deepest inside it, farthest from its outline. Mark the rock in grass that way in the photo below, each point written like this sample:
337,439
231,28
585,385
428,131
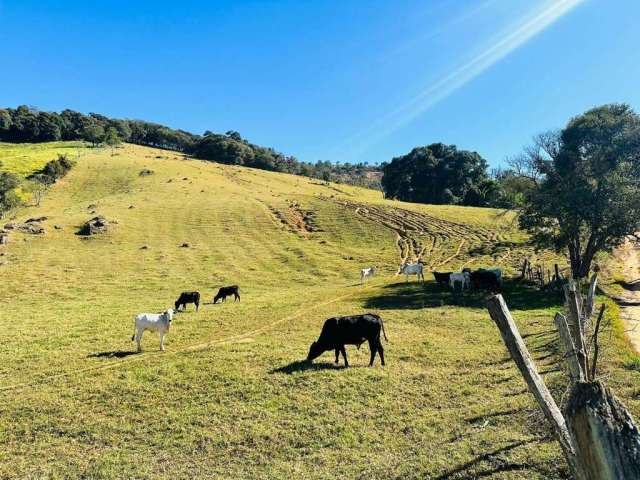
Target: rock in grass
185,245
95,226
31,228
36,220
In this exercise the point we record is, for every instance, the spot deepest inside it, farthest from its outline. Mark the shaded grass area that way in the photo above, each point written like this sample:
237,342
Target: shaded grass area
232,397
415,296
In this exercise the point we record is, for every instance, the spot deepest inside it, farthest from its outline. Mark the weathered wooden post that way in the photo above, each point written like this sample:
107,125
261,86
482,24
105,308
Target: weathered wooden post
520,355
597,434
524,269
605,439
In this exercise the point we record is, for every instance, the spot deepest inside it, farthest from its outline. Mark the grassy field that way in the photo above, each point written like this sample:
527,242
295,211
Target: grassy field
25,159
231,397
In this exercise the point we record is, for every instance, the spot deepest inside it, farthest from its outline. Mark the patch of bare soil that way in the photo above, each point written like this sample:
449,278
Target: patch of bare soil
629,256
296,219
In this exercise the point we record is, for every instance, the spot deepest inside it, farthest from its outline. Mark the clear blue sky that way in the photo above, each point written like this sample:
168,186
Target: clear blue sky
340,80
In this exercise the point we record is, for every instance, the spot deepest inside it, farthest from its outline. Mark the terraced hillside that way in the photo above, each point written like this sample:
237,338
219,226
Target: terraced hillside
231,397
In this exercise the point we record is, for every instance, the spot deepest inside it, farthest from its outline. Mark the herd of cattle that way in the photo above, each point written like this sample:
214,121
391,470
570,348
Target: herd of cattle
336,331
161,322
476,280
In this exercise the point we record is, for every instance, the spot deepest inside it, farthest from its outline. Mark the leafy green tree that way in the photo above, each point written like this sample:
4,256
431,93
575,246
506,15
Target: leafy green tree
588,197
112,139
234,135
94,133
438,174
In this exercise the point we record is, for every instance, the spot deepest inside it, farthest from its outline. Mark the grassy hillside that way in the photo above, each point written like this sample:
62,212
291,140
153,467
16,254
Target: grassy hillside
230,398
25,159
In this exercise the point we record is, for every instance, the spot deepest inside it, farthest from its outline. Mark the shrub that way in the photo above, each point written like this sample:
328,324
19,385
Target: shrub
9,199
54,170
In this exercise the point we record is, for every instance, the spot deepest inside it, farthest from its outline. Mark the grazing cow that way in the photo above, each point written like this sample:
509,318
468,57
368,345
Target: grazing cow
496,271
442,278
367,272
155,322
352,330
485,280
225,292
187,297
412,269
463,277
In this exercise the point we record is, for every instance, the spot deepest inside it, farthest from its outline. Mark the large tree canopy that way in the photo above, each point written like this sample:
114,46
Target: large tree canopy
588,198
439,174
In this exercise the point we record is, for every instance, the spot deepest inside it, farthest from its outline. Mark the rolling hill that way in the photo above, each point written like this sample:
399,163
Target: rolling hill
231,397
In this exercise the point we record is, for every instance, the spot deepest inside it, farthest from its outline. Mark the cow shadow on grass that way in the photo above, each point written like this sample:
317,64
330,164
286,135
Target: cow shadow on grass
304,366
414,296
112,354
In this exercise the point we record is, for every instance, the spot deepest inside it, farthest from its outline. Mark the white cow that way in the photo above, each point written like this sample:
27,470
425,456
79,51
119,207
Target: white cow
463,277
367,272
155,322
412,269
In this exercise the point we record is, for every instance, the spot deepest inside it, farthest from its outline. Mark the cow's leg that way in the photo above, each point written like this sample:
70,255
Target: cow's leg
373,347
381,351
139,339
237,297
162,342
344,355
337,356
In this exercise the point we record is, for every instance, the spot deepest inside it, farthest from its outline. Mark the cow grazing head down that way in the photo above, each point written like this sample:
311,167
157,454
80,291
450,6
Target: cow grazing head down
315,350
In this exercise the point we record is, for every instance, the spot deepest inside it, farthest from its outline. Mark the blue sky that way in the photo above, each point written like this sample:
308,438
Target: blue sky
340,80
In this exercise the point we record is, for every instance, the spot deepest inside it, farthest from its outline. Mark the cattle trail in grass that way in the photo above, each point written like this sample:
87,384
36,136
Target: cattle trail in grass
432,240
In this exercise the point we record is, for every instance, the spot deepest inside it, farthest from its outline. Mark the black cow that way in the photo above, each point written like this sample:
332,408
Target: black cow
188,297
225,292
485,280
442,278
352,330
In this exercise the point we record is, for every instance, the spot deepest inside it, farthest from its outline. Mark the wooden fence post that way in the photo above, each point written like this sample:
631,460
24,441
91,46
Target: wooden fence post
575,324
597,433
520,355
606,441
575,367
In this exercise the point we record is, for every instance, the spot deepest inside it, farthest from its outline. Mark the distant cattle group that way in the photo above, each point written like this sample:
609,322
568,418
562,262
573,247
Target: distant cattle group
161,322
476,280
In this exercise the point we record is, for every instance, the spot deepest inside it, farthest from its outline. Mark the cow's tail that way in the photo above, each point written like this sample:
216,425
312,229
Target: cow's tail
383,332
134,331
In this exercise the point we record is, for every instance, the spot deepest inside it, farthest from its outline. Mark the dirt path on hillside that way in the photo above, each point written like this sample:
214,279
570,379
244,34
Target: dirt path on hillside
629,255
420,236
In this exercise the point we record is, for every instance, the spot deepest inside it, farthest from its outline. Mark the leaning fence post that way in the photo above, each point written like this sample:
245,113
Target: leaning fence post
575,367
591,295
576,324
520,355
